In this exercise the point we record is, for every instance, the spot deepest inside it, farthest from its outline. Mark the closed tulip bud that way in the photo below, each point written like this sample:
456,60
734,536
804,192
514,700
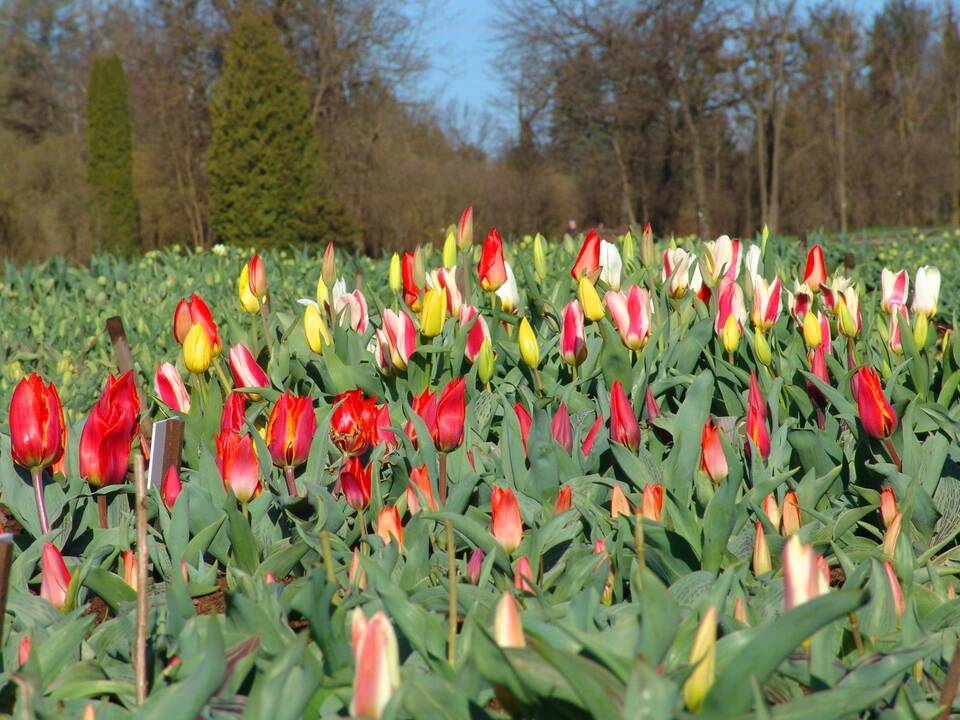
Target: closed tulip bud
355,483
395,279
389,526
130,569
357,576
451,411
653,409
812,333
713,461
891,535
790,520
587,446
647,253
816,272
171,487
450,250
323,293
376,674
529,348
491,269
888,505
766,302
761,553
762,348
328,270
805,574
523,576
197,352
573,340
37,428
588,260
523,417
434,312
249,300
757,420
192,312
896,592
731,334
652,505
589,300
509,294
475,565
290,430
23,650
506,525
54,577
619,505
170,388
561,429
465,229
926,292
628,249
238,465
703,660
740,609
507,628
315,329
486,362
564,500
920,330
771,510
420,480
401,337
877,416
611,265
624,427
411,290
108,431
539,257
848,313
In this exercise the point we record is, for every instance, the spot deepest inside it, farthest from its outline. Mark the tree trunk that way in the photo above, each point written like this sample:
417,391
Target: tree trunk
840,145
761,140
626,190
699,179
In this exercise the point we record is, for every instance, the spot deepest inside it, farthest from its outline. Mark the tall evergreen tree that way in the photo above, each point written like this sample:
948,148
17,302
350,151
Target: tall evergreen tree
263,160
110,157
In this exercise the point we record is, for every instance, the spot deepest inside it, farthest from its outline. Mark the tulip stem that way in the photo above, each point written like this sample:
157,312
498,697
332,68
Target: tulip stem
452,578
327,556
291,483
37,475
538,381
264,317
893,453
443,479
855,630
638,542
102,508
363,522
140,651
224,382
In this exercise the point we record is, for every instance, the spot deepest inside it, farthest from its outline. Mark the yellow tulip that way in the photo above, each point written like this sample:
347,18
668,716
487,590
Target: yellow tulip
248,301
315,328
920,326
539,257
812,335
396,278
703,658
529,348
486,362
434,312
450,250
731,334
323,294
197,351
589,300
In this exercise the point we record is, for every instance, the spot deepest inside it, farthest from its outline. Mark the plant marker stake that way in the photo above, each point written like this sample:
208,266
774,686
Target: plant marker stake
102,509
140,650
6,556
949,691
124,358
451,566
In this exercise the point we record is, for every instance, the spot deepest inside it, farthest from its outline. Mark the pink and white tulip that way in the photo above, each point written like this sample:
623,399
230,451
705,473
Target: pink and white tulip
245,370
376,657
766,302
573,338
805,574
676,269
894,289
631,313
170,388
721,259
401,335
350,307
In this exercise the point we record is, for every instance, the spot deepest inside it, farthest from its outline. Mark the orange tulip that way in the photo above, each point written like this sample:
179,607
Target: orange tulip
491,268
506,524
713,461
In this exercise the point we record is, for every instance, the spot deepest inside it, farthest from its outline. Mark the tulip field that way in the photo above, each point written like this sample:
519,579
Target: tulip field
604,476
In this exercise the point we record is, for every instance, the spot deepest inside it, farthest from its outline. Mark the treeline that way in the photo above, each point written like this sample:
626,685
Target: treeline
139,125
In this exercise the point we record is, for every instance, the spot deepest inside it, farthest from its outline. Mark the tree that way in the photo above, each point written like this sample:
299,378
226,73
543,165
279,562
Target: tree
262,160
110,157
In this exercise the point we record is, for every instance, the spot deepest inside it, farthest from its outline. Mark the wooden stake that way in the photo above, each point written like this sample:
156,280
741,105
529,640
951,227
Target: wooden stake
102,508
6,557
948,693
140,650
124,358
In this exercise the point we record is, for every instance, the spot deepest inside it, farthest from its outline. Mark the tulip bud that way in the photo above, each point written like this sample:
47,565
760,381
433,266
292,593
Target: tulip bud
523,576
652,505
486,362
899,603
920,326
713,461
891,535
357,576
323,293
197,352
376,675
812,334
37,428
23,650
539,257
888,506
395,277
703,658
465,229
130,569
434,312
171,487
790,518
740,611
628,250
731,334
564,500
762,348
877,416
507,628
529,348
771,510
761,553
475,565
315,329
329,268
419,267
290,430
450,250
619,505
54,577
389,526
589,299
647,253
506,524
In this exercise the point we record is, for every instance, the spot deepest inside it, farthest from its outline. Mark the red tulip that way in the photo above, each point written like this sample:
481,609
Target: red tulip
564,500
389,526
523,576
560,428
573,339
411,293
619,505
451,409
475,565
790,520
37,429
290,430
477,333
54,576
23,650
588,260
233,417
591,436
346,423
401,337
713,461
652,505
355,483
193,311
653,410
238,465
888,506
624,427
377,673
491,268
506,525
257,276
818,367
757,419
170,388
108,432
246,372
424,405
171,487
525,422
380,432
420,480
816,272
877,416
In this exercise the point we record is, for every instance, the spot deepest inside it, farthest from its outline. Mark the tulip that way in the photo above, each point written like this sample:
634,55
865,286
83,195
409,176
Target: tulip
54,577
771,510
529,349
108,432
171,487
315,328
451,409
721,259
805,574
477,333
740,611
379,432
573,339
588,259
192,312
328,269
507,628
505,523
561,429
475,565
37,428
757,419
761,552
646,245
509,293
676,264
245,370
411,291
539,257
926,291
751,259
424,405
290,430
465,228
631,313
377,673
589,300
564,500
888,505
624,427
233,417
523,576
446,279
389,527
238,466
357,576
486,363
170,388
130,569
894,288
355,483
523,417
790,520
894,327
877,416
848,313
812,330
892,534
713,461
818,368
766,303
799,302
252,285
653,410
401,337
395,277
591,436
730,310
323,295
420,480
491,269
197,351
450,250
698,286
433,314
354,302
703,660
652,504
899,603
379,347
611,264
832,292
23,650
346,423
816,272
619,505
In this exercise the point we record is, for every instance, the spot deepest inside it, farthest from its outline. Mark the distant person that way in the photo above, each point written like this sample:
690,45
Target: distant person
571,228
